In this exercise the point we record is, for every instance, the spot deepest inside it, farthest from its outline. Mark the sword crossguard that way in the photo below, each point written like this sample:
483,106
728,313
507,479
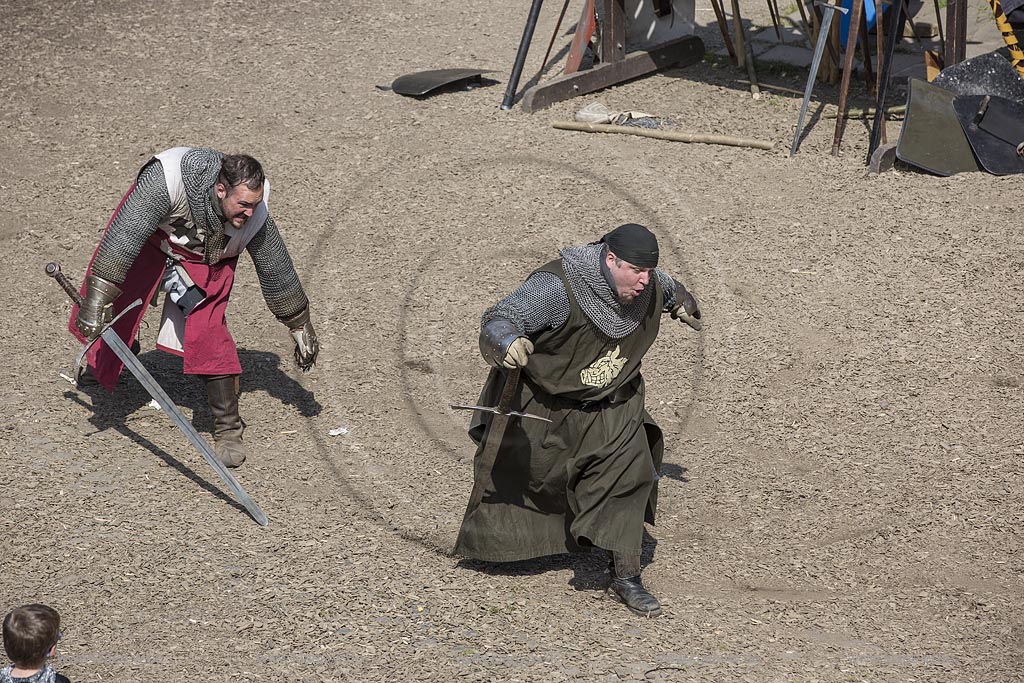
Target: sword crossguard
504,406
828,5
498,411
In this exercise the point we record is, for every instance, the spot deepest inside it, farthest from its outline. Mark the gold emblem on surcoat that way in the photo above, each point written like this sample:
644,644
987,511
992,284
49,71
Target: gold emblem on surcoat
604,370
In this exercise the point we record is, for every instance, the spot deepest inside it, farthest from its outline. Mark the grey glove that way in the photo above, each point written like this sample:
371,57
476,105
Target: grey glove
306,344
97,309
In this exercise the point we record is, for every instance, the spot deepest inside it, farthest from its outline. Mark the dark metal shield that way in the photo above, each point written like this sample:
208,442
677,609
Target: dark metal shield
994,127
425,82
932,137
987,74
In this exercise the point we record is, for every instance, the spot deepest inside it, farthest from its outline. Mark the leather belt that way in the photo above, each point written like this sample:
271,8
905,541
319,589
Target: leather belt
620,395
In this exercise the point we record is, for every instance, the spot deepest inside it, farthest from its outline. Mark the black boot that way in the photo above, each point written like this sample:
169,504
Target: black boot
627,588
222,394
632,594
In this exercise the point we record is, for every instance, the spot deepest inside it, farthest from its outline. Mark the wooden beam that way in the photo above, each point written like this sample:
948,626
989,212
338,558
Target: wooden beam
682,51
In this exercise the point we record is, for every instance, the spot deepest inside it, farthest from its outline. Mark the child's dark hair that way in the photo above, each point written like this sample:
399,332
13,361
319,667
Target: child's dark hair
29,633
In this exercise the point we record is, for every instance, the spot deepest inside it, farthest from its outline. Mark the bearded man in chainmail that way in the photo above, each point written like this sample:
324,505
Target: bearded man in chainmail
578,329
180,229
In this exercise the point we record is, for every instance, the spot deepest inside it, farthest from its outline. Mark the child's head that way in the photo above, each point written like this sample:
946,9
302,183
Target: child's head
30,632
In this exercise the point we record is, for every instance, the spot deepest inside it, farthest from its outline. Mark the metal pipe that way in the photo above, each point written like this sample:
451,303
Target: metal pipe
524,47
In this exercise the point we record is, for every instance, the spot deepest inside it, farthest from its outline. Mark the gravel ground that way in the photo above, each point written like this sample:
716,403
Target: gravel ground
841,495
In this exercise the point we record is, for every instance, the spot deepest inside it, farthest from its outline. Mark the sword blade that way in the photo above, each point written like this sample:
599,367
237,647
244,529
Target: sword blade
492,442
140,372
826,22
487,458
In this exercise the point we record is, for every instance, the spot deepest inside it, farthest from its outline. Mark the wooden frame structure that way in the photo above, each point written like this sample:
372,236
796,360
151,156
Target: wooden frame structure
616,65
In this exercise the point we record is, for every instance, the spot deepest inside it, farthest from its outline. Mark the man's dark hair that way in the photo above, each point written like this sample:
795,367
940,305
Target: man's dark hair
236,169
29,633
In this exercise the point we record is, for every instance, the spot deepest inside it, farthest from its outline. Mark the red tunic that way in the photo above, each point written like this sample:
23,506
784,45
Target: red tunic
209,348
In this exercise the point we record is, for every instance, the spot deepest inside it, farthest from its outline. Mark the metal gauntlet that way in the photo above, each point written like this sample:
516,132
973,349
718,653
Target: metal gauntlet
685,301
495,338
686,308
96,310
306,344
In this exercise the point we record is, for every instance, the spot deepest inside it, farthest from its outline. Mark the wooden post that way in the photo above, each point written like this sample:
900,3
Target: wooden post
956,32
869,77
844,87
737,29
616,65
724,28
613,31
834,67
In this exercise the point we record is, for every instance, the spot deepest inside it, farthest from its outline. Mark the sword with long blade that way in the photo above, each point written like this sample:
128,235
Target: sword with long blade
502,414
826,22
140,372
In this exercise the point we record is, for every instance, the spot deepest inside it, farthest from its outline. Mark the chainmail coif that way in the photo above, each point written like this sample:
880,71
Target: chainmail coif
200,168
582,266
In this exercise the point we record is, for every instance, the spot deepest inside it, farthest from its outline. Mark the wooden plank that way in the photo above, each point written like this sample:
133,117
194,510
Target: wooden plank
613,31
684,51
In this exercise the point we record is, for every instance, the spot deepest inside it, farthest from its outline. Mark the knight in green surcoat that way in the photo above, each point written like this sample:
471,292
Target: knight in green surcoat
577,329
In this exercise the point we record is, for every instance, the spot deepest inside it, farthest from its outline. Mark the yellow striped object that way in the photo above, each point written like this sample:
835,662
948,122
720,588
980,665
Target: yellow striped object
1016,54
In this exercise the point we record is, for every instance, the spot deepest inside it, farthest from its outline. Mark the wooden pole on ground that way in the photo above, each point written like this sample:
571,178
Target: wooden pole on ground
664,134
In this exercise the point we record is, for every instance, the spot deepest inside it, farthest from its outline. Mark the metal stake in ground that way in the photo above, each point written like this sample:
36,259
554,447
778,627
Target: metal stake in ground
819,48
117,345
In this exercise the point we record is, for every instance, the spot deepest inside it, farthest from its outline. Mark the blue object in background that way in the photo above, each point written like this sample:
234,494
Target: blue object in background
844,21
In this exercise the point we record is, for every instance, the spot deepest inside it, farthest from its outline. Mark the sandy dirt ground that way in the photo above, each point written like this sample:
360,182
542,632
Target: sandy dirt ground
841,499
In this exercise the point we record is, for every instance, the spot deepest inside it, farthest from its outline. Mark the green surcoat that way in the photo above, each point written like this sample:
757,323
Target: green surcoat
587,478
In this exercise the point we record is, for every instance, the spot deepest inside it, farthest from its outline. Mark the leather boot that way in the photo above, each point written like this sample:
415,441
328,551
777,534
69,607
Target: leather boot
222,394
627,588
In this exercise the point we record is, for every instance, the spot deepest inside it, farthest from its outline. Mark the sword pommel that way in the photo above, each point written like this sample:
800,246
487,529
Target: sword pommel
53,270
